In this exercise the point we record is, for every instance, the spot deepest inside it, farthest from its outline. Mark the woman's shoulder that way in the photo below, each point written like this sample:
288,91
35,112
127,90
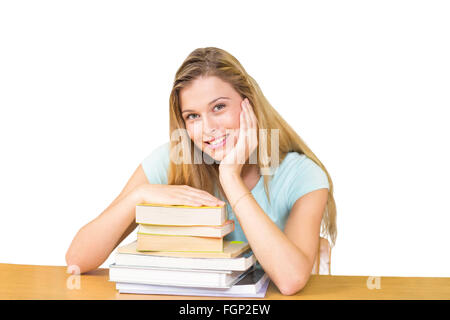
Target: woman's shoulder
162,148
300,175
297,168
161,151
295,156
296,163
293,159
156,164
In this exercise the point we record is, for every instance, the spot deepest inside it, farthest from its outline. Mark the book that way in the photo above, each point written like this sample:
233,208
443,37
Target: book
200,231
175,277
156,242
231,249
178,215
254,284
128,255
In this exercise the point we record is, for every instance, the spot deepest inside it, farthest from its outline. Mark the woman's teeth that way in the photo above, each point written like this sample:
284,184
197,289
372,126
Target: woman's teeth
217,141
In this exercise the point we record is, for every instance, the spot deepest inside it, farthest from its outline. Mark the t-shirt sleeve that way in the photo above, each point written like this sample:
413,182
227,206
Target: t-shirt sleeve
156,164
306,176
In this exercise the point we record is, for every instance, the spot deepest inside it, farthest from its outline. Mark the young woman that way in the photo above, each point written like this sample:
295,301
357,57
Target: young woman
217,110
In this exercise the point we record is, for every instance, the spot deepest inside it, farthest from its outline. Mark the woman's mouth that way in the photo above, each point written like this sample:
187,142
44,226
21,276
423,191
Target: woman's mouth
217,142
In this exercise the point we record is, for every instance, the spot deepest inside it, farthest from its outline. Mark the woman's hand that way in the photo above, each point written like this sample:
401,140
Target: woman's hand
176,195
247,142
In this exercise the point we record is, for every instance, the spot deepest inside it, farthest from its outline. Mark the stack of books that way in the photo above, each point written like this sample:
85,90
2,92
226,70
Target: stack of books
180,250
182,228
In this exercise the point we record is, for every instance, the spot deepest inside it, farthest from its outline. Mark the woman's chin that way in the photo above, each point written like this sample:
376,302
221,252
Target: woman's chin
216,154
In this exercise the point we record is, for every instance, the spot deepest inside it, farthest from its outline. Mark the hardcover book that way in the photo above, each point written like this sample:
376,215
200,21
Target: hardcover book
173,243
127,255
231,249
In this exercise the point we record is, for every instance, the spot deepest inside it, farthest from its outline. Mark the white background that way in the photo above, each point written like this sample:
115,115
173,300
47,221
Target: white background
84,91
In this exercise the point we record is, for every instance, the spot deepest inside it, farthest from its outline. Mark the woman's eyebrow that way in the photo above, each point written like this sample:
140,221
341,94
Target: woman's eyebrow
187,110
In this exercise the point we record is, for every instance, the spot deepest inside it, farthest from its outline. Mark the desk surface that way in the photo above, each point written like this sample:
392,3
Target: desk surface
51,282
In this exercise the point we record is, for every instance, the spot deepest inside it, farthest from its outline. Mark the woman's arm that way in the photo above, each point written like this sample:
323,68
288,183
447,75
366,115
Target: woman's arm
95,241
287,258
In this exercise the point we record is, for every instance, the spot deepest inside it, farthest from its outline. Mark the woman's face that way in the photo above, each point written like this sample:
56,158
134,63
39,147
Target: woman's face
211,109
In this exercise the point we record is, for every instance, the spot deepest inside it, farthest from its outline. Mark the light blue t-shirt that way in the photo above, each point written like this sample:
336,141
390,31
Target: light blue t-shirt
295,176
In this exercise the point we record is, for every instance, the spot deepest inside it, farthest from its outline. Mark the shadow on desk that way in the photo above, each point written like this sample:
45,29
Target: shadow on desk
30,282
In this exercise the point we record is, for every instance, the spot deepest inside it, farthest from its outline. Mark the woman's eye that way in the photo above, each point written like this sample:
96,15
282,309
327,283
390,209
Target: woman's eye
188,117
220,105
194,114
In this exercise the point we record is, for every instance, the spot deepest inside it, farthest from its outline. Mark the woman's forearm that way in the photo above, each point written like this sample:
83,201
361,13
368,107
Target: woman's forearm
285,264
95,241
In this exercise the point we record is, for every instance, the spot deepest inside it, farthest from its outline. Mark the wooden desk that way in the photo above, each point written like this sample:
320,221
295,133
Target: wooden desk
29,282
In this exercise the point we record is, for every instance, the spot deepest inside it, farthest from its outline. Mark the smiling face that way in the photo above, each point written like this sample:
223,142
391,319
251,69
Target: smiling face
211,109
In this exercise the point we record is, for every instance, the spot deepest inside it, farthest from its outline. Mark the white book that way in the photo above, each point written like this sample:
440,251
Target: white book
240,263
175,277
253,284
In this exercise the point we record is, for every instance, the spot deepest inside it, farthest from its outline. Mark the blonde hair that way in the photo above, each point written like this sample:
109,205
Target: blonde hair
211,61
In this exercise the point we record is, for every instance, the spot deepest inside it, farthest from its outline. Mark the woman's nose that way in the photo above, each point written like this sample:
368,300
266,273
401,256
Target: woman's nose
205,128
210,126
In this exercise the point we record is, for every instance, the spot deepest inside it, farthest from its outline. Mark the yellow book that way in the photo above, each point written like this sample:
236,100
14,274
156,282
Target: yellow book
157,242
231,249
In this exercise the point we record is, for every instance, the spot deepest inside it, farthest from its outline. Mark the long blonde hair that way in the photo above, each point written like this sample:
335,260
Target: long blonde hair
211,61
